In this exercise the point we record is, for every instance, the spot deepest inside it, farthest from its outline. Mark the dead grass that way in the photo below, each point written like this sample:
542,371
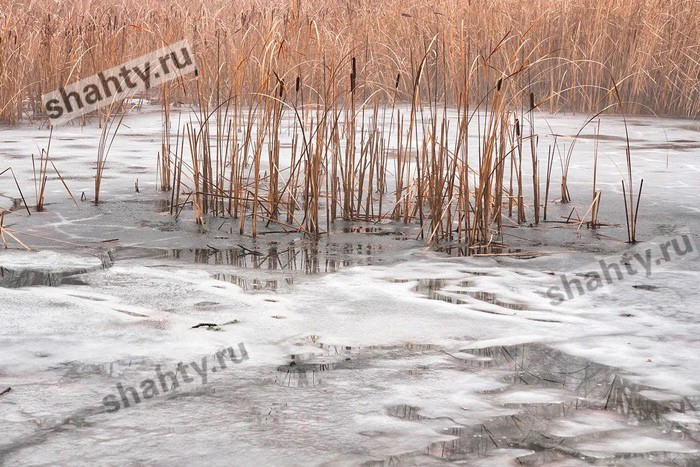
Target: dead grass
649,47
368,85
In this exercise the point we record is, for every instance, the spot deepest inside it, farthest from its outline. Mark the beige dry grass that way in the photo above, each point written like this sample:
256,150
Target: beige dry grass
651,48
339,68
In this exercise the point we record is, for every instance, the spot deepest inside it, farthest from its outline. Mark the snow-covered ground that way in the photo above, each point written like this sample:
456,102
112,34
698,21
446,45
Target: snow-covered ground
363,347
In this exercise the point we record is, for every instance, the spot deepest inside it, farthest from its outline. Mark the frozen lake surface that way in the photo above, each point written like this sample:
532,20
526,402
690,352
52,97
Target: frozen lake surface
365,346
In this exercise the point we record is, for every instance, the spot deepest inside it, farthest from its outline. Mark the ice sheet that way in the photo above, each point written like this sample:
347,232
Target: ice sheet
383,350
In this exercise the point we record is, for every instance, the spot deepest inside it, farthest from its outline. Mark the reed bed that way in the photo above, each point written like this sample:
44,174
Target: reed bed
353,157
380,98
651,48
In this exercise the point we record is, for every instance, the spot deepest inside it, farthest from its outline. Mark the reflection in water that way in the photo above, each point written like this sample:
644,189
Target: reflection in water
591,388
300,373
305,369
162,205
17,204
305,258
456,291
15,278
378,231
255,284
405,412
309,258
594,391
27,277
493,249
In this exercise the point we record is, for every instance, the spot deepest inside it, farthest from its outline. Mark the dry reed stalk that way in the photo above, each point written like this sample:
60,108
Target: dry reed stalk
19,190
40,180
111,122
596,194
165,154
5,231
550,164
535,163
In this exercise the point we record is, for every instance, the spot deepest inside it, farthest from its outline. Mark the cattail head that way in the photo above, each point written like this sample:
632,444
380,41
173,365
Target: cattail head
353,76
